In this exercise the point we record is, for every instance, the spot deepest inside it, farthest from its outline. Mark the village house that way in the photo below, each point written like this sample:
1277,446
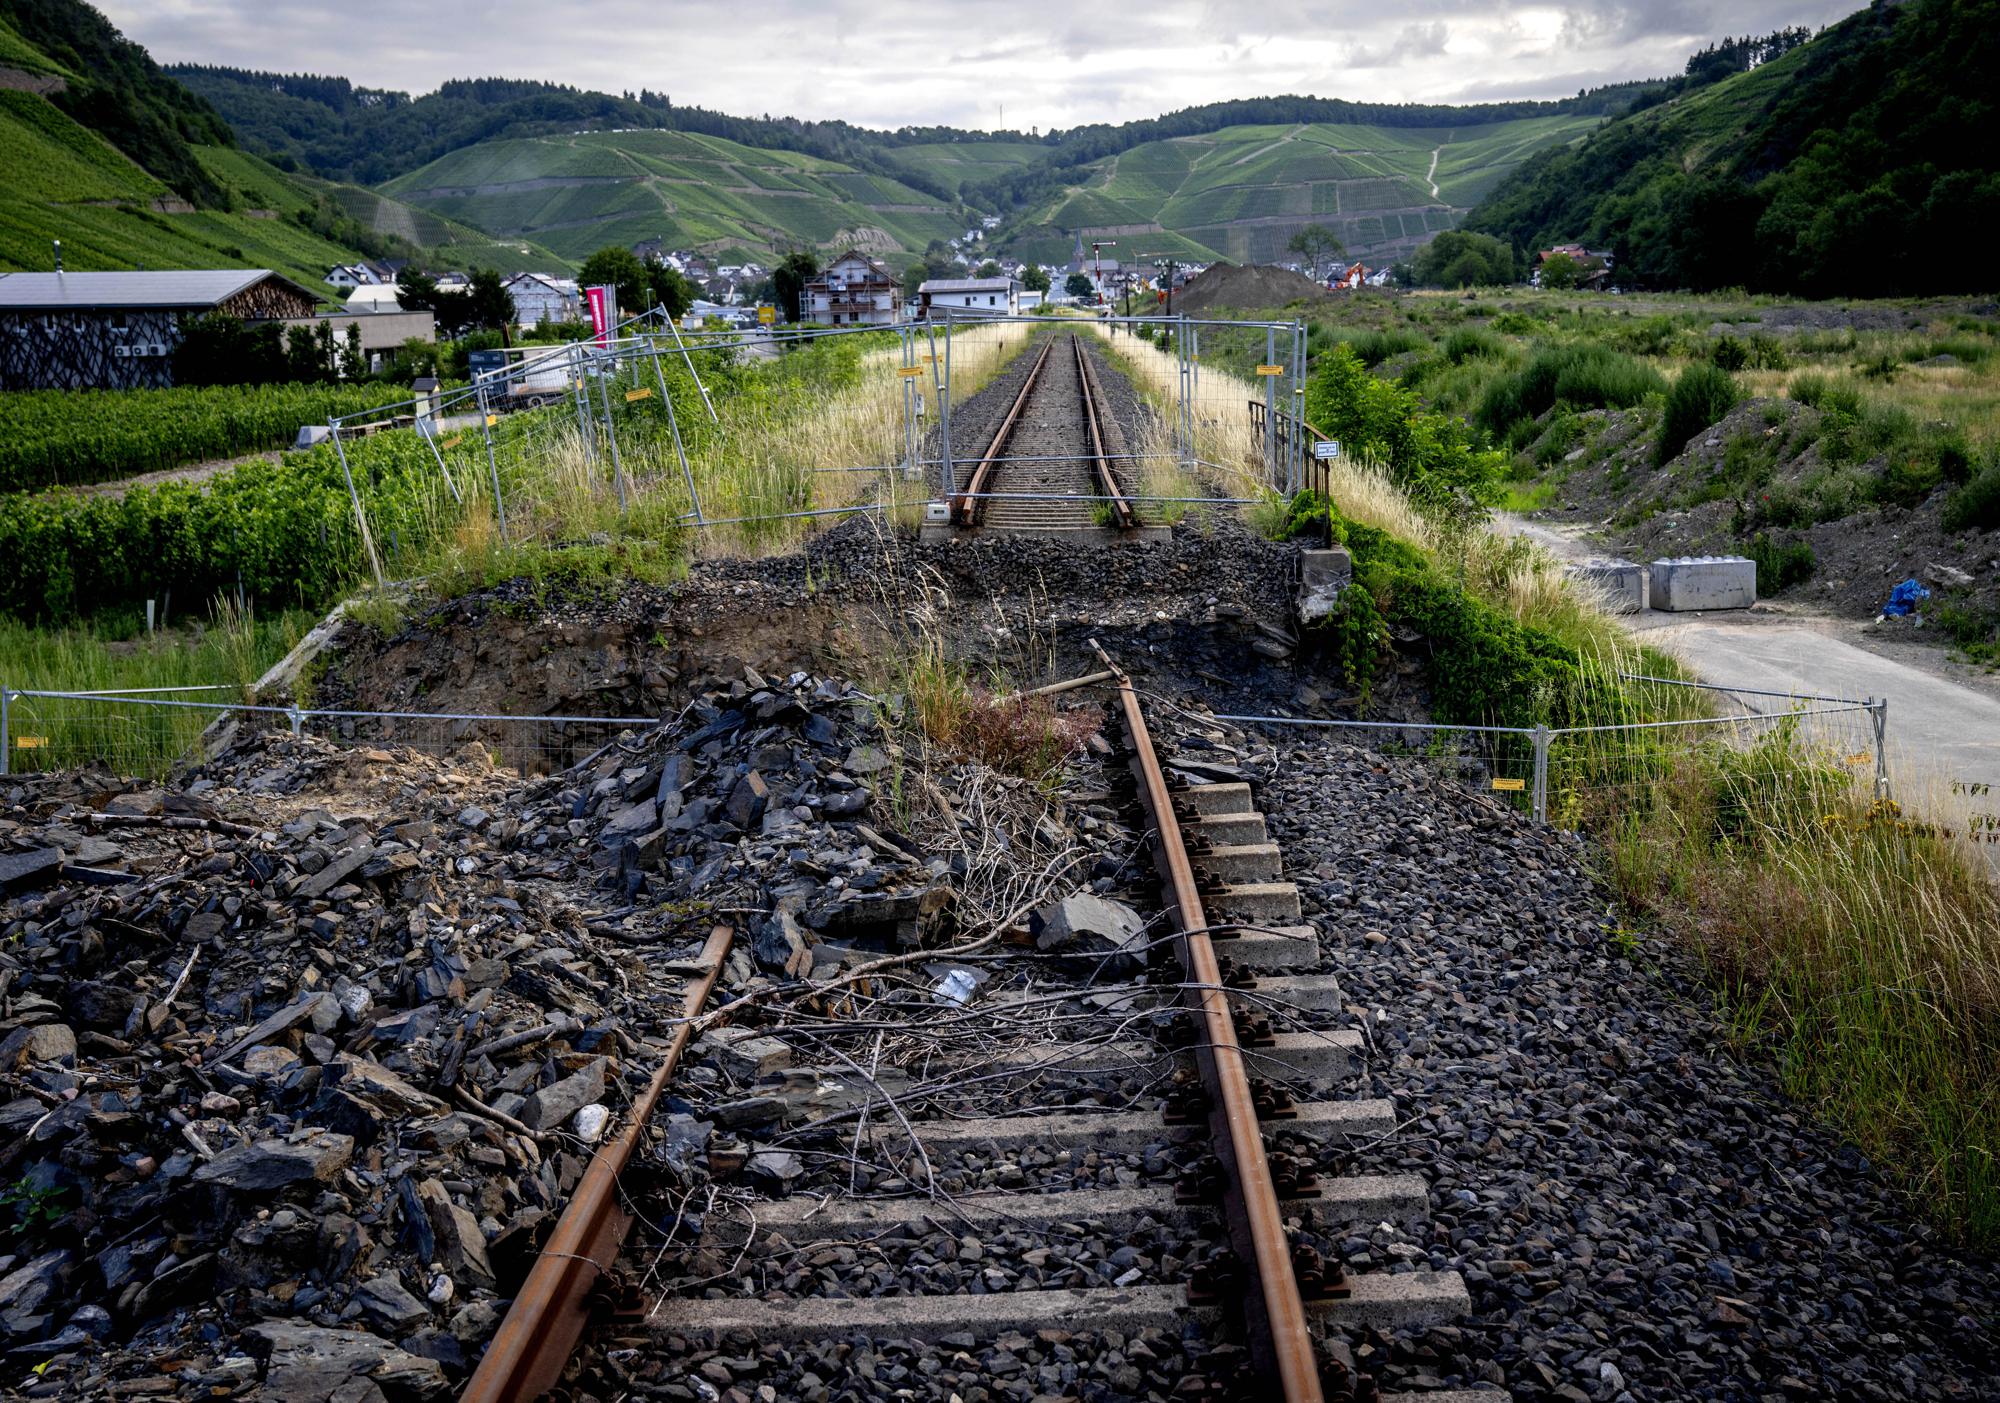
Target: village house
539,297
853,290
373,297
1593,266
993,297
118,331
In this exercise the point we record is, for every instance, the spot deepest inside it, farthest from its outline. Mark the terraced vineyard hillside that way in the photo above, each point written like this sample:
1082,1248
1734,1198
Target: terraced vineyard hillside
1241,193
64,181
577,193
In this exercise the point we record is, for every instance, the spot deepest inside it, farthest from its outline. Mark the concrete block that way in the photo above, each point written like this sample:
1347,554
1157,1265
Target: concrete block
1213,800
1625,584
310,434
1323,576
1247,862
1261,903
1225,829
1281,948
1704,582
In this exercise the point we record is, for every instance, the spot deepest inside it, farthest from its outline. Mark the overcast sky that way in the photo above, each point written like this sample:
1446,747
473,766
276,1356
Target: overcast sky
980,64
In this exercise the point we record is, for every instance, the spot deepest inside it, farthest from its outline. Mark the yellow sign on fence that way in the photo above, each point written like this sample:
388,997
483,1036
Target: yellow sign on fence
1513,784
30,742
631,395
1270,370
910,372
491,420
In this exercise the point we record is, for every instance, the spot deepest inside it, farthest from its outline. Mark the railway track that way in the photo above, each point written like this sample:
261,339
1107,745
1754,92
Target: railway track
1046,467
1210,1053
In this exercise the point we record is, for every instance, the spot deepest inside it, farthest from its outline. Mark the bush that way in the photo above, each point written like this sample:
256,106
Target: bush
1780,565
1699,399
1583,376
1471,343
1431,456
1976,505
1482,667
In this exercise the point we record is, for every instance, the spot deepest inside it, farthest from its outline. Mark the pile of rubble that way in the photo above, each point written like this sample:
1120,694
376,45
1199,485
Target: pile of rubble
301,1054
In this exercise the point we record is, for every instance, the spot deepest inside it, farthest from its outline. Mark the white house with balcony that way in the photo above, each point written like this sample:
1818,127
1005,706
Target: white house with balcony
853,290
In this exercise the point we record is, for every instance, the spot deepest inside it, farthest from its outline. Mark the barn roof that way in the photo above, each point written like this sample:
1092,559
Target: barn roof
176,289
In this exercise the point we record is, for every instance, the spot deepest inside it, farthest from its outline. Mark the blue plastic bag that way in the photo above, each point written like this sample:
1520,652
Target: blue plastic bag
1905,598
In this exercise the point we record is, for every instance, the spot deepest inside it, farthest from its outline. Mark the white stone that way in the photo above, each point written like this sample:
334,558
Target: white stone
590,1122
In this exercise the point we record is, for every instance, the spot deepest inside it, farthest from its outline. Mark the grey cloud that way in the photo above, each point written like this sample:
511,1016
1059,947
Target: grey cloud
1051,62
1417,41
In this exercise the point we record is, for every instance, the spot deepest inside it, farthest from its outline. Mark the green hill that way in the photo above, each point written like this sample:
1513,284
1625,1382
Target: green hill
1859,163
578,193
1242,192
194,200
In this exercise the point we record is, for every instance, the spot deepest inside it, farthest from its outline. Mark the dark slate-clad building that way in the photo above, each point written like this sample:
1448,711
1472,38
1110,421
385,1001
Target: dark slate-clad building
118,331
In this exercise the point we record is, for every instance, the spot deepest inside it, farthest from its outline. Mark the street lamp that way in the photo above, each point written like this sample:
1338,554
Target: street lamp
1097,265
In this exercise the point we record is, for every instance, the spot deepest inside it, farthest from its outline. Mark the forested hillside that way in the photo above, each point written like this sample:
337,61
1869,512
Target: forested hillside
112,87
1861,163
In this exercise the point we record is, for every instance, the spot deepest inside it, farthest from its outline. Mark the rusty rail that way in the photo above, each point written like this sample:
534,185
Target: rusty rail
966,508
531,1348
1281,1344
1106,479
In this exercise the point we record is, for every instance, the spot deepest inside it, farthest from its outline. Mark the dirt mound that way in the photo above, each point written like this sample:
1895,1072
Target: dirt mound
1259,285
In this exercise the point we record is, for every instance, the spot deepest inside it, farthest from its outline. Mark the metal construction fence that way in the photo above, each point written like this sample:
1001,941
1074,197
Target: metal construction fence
1554,773
135,734
1558,773
589,379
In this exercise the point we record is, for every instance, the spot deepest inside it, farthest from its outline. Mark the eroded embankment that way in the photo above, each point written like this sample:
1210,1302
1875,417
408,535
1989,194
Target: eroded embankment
1208,612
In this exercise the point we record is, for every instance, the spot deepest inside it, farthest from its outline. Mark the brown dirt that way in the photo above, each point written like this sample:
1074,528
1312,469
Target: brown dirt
1259,285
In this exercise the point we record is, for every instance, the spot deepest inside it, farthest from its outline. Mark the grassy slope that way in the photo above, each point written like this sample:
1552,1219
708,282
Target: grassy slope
66,183
954,163
575,194
1241,192
18,53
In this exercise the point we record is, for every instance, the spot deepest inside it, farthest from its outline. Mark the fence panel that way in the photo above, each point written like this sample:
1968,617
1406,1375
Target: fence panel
148,736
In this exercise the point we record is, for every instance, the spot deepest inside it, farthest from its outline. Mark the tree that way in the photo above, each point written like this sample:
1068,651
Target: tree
1458,258
913,278
353,361
416,291
669,289
488,303
1035,278
1559,270
1077,285
1317,244
988,269
789,281
618,268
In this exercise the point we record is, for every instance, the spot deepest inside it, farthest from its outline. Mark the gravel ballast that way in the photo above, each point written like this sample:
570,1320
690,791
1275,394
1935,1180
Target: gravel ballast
1638,1213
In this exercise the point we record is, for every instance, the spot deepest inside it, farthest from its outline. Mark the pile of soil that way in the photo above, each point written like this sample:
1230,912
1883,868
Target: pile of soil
1259,285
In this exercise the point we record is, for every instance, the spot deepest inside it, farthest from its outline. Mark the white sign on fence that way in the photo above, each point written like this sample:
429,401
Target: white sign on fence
1327,448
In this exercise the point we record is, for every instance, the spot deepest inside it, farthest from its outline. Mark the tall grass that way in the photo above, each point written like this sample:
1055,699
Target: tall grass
227,652
1857,942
